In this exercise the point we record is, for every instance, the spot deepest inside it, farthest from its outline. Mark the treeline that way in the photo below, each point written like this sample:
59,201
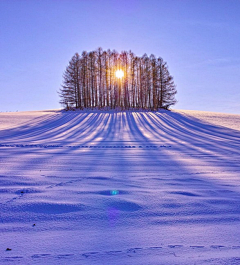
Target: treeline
90,81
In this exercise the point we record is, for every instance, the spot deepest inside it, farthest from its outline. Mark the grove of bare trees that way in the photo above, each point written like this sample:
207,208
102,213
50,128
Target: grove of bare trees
92,81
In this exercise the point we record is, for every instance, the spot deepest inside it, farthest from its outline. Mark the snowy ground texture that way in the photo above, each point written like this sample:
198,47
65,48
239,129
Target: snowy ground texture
119,188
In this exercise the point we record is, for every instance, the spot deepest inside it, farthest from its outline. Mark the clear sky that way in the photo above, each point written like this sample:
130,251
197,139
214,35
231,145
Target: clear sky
200,41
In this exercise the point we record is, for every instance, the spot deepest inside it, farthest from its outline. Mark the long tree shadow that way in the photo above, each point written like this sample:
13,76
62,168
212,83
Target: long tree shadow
178,142
70,128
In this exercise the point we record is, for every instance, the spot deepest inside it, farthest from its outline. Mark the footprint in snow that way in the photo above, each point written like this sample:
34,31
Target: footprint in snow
217,246
175,246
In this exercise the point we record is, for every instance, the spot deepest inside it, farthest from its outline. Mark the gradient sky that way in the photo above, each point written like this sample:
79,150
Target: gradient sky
200,41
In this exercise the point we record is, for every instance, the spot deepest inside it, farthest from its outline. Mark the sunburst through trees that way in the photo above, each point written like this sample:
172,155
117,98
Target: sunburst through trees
111,80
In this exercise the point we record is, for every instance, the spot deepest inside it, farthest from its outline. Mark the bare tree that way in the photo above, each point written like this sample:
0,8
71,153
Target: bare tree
69,91
90,81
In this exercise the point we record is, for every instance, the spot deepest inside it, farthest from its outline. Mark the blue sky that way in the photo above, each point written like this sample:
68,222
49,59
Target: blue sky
200,41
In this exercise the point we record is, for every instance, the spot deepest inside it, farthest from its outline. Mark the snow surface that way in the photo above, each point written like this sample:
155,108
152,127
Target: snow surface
119,188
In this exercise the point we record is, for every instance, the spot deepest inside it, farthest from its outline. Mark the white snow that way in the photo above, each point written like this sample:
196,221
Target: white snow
119,187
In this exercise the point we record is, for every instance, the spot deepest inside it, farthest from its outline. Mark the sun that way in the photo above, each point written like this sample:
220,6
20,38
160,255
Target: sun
119,73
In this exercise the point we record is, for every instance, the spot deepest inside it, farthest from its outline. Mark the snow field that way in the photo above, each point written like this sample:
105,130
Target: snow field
118,188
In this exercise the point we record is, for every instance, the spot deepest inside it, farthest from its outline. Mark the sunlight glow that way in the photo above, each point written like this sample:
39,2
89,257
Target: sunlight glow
119,73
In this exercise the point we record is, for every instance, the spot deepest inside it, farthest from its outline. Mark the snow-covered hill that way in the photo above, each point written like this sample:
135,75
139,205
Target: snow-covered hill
119,188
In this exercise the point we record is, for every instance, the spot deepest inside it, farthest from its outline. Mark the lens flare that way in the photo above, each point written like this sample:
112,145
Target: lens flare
114,192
